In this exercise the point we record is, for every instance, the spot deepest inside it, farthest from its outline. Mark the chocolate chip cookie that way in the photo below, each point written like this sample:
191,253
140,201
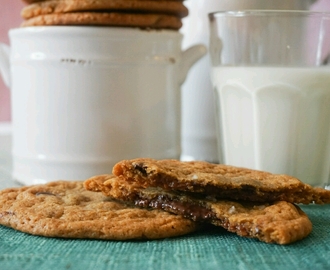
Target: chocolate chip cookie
176,8
219,181
144,14
66,209
143,21
276,222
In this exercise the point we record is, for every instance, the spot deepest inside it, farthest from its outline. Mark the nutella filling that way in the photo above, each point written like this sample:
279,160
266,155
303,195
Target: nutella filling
194,212
188,210
245,192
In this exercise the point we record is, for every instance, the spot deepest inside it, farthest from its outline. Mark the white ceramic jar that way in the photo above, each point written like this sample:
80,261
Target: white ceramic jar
198,119
84,98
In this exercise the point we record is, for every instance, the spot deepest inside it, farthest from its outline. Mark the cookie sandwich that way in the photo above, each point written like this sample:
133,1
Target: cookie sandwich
247,202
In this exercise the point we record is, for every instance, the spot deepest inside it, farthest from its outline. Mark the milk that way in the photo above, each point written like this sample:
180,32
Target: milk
275,119
198,121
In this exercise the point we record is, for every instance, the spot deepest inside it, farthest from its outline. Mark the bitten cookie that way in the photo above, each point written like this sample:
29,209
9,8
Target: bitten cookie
155,21
176,8
278,222
66,209
219,181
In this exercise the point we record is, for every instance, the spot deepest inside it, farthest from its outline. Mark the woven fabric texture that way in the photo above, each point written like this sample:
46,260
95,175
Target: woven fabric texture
212,249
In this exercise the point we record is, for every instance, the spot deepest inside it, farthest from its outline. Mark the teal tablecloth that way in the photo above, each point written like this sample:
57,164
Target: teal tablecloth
213,249
216,249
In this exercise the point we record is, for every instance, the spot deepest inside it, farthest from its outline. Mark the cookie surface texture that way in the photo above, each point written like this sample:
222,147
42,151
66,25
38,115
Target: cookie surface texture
278,222
219,181
66,209
176,8
153,21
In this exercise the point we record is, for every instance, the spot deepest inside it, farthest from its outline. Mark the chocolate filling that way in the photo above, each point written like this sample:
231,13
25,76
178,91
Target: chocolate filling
245,192
195,212
192,211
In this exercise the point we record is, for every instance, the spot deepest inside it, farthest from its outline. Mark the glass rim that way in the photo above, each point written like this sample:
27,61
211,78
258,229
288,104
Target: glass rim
267,12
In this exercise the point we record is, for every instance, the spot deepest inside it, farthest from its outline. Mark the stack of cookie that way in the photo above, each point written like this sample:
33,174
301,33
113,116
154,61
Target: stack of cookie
249,203
150,199
147,14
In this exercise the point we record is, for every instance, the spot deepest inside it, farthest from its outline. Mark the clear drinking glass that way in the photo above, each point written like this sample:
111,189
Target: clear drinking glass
271,76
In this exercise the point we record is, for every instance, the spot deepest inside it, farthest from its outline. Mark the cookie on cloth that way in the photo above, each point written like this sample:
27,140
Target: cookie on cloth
277,222
155,21
176,8
219,181
66,209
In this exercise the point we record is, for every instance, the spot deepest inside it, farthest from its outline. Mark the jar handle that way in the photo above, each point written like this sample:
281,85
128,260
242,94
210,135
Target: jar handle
4,63
189,58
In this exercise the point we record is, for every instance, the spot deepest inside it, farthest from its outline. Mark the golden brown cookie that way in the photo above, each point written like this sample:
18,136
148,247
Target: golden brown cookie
155,21
66,209
278,222
176,8
219,181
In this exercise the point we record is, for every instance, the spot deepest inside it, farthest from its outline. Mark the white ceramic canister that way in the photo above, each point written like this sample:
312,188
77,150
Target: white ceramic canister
198,119
84,98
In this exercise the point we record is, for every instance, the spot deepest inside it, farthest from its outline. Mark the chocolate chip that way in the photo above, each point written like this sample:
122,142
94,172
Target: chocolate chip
141,168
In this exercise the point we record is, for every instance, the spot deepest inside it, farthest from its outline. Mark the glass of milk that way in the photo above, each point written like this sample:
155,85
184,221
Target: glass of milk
271,79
